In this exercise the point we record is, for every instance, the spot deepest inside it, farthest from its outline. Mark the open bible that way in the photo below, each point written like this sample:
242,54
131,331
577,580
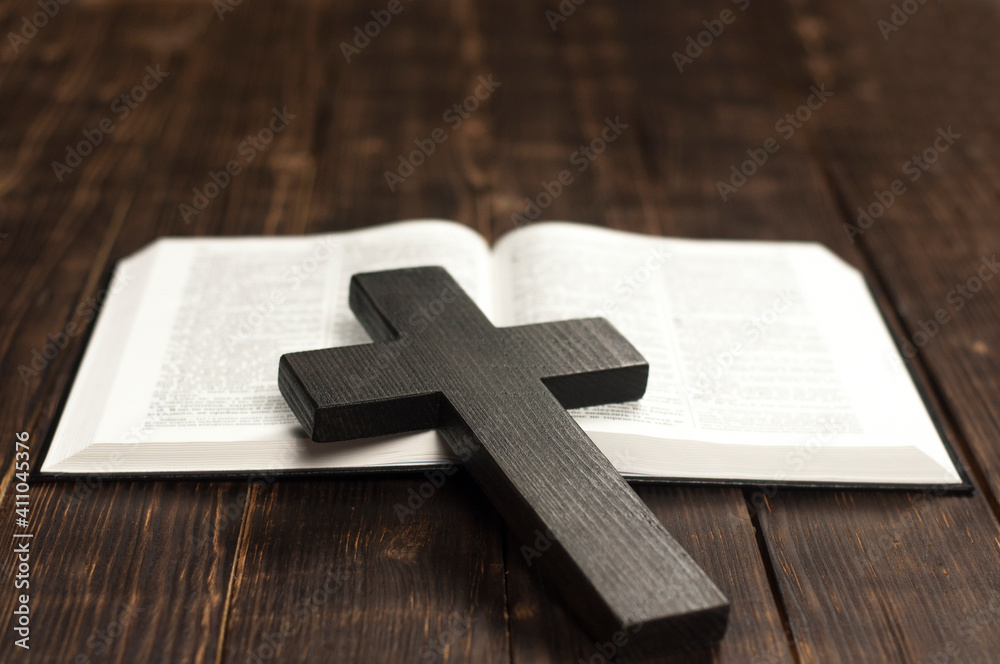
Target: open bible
769,361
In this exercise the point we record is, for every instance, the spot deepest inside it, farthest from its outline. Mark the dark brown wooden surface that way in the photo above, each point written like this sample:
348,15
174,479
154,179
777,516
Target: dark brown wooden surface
207,572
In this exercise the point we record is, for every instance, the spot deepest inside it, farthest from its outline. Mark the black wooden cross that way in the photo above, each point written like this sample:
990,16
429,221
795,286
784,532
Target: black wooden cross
499,398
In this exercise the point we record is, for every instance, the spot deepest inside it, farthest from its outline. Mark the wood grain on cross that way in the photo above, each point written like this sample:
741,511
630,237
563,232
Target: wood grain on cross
499,398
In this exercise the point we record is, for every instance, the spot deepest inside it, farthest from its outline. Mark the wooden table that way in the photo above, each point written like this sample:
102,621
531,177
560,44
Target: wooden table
322,570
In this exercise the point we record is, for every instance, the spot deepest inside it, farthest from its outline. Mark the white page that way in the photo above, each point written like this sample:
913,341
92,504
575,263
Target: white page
749,343
201,361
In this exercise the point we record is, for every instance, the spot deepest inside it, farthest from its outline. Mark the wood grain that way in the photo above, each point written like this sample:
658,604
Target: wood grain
329,571
127,572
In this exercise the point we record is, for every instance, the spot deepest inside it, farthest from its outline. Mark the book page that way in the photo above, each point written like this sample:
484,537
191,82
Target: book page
201,360
748,342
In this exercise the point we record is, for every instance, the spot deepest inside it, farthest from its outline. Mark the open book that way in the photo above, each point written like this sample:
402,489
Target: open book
769,361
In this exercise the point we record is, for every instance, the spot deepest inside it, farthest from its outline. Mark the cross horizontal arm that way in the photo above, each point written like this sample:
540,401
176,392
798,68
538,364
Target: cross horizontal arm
583,362
356,392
